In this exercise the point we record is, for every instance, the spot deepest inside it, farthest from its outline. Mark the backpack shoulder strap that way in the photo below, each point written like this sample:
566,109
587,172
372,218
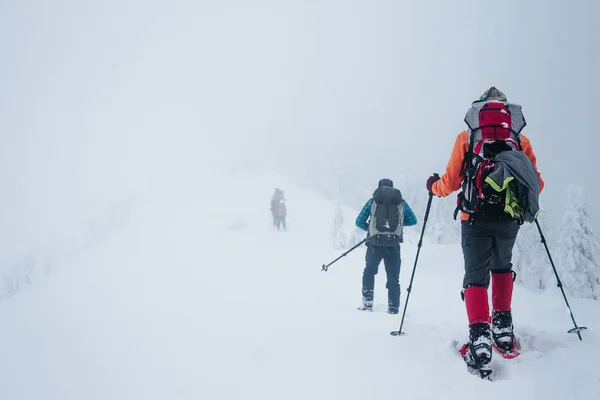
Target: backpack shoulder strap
468,157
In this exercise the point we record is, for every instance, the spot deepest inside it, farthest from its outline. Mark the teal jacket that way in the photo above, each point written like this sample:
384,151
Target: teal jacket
362,221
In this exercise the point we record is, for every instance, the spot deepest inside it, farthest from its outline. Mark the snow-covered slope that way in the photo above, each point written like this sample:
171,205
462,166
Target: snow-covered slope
197,297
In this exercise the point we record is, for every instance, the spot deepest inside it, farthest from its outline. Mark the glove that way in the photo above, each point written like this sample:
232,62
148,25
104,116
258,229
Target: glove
432,179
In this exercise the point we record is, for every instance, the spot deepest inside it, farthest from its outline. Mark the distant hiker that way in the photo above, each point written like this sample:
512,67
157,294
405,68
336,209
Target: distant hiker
495,166
280,215
388,214
275,198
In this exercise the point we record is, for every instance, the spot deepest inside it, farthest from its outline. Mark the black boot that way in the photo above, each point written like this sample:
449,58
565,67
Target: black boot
502,330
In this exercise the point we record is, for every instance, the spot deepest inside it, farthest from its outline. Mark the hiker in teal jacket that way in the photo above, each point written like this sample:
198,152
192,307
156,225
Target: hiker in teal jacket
390,254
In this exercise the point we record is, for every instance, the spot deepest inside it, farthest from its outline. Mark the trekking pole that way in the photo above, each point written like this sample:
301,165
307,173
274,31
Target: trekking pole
399,331
577,329
326,267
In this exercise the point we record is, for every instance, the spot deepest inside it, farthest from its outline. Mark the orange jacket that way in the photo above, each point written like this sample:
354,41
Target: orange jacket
451,180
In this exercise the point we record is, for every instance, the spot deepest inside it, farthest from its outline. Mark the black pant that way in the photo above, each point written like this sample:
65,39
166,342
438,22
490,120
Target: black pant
487,246
391,259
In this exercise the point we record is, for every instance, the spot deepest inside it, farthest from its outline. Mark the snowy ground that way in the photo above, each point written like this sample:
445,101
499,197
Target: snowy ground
199,298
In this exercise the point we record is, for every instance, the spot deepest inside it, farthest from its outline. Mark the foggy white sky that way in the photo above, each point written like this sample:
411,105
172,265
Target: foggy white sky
100,96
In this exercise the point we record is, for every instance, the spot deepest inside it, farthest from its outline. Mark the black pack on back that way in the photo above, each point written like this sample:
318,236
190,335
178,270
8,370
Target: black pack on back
387,217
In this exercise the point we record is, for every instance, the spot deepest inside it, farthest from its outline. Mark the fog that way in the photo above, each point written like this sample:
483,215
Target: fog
103,100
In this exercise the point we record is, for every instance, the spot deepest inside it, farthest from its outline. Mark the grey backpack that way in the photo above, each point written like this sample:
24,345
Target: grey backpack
387,217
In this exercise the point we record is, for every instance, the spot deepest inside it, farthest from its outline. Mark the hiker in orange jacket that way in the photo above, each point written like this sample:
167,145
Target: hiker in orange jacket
491,215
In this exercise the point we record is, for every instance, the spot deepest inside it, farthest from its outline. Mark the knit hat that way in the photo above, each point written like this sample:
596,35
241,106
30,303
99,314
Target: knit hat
493,94
386,182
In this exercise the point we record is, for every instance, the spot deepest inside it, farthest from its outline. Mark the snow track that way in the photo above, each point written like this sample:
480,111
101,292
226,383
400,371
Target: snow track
197,299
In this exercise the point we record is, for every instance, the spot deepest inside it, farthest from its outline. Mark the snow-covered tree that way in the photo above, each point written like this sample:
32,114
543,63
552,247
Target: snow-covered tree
338,236
441,226
578,251
530,260
356,237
